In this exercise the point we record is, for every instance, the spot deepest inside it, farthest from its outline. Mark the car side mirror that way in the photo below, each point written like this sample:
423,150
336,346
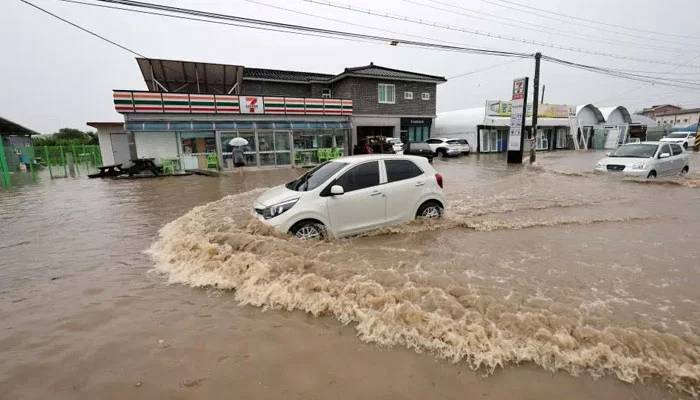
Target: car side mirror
608,154
337,190
664,155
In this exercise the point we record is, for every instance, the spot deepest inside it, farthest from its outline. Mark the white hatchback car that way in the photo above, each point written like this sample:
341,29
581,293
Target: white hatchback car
350,195
646,159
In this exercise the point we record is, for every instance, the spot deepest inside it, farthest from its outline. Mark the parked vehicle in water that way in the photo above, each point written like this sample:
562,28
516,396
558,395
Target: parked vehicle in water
351,195
646,159
685,139
396,144
443,147
463,145
419,149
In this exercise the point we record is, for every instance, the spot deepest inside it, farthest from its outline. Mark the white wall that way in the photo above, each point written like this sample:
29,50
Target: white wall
103,136
155,144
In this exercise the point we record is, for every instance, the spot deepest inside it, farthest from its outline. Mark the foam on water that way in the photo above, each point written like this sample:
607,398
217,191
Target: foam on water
394,300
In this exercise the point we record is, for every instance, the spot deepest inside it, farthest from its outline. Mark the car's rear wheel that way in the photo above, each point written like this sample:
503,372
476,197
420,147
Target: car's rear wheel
441,153
308,230
430,210
652,175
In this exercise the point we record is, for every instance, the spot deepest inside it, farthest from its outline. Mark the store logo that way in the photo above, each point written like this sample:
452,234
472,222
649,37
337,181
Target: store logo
252,103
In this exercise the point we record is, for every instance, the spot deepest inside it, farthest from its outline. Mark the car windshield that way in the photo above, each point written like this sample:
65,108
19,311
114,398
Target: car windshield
677,135
635,151
315,177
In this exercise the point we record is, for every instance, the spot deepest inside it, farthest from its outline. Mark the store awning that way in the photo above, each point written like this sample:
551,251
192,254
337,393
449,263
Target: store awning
190,77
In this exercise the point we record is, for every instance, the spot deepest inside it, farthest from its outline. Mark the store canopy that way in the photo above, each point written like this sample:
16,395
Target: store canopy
190,77
8,127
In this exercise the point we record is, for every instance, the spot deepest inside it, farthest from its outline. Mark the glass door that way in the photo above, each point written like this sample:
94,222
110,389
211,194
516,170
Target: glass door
249,155
282,148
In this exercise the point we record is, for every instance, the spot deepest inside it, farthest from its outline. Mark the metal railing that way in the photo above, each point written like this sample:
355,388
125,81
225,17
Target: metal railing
59,161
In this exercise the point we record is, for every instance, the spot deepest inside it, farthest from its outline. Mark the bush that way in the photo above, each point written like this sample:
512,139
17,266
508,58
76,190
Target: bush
66,137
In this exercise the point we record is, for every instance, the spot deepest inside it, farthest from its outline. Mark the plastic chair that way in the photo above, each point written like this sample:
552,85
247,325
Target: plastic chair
338,152
168,165
324,155
212,161
297,158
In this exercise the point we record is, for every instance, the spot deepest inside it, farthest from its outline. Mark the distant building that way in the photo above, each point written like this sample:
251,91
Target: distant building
16,140
677,118
652,111
192,111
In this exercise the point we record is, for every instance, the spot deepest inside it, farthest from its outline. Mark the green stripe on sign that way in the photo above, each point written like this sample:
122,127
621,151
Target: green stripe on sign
202,103
295,106
122,102
176,103
146,102
227,104
314,106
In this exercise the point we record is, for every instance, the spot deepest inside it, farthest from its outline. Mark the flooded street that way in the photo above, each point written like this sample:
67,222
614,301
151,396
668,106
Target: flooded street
541,282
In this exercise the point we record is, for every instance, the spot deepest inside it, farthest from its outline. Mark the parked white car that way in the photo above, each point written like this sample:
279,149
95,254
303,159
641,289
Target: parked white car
396,144
463,144
646,159
685,139
350,195
444,147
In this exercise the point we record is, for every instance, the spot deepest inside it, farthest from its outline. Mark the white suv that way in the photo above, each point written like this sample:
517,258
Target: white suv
445,147
350,195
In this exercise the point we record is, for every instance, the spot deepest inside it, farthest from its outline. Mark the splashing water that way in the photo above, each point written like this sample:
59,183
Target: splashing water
404,295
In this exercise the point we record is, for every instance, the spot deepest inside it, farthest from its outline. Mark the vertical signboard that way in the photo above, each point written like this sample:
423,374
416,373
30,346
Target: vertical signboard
517,121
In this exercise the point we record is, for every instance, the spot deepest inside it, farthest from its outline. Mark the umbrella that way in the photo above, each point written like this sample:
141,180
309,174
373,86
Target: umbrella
238,141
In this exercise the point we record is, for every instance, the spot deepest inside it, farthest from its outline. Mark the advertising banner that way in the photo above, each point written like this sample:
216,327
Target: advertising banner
517,115
500,108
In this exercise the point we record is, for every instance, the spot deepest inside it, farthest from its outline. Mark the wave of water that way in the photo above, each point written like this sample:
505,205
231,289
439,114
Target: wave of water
401,302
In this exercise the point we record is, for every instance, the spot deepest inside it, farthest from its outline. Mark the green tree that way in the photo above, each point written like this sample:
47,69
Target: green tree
65,137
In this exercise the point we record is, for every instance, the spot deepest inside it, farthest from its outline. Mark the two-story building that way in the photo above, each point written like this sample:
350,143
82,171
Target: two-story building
192,112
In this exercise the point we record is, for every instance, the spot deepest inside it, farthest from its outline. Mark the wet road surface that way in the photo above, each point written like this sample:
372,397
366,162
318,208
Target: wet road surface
533,270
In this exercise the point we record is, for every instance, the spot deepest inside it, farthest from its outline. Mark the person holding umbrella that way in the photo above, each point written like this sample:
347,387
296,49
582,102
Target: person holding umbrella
238,143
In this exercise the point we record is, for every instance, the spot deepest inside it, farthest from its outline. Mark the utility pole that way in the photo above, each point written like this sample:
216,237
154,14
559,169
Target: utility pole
535,102
543,88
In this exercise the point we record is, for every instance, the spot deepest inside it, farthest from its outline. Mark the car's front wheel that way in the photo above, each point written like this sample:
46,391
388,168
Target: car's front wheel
685,146
652,175
308,230
685,170
430,210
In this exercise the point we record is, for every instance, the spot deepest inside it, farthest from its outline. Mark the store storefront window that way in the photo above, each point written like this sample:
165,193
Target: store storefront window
197,148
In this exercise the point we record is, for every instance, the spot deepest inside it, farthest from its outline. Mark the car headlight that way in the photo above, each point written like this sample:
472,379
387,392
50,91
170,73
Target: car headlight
277,209
600,164
639,165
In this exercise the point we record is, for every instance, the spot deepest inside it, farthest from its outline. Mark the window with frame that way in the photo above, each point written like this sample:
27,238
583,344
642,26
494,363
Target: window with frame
425,96
676,149
326,93
665,149
408,95
360,177
387,93
398,170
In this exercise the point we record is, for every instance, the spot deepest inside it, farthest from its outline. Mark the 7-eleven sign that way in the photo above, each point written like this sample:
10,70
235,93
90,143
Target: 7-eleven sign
252,105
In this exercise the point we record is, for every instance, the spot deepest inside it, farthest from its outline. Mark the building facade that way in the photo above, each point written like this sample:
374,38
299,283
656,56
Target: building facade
192,112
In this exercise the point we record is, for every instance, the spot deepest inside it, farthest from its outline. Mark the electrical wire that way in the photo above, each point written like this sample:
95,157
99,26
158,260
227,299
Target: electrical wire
490,67
112,42
404,18
512,22
528,7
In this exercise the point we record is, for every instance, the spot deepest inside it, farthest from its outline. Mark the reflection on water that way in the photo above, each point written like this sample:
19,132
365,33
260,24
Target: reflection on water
551,265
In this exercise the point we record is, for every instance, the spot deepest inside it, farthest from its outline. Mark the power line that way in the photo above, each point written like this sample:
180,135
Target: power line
512,22
330,32
393,41
83,29
528,7
434,24
490,67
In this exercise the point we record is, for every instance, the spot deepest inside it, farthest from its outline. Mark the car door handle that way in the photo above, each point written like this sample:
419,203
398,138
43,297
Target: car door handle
420,183
375,193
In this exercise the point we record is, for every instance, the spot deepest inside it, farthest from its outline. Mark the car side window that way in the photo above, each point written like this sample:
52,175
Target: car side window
433,141
360,177
665,149
676,149
397,170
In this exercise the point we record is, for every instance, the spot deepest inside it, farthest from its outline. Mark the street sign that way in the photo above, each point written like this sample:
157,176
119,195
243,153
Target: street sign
517,121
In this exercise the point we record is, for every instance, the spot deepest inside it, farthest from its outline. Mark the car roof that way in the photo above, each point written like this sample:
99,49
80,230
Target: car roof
370,157
649,142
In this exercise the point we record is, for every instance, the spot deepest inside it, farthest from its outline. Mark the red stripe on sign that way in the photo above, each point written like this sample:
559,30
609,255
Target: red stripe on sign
147,95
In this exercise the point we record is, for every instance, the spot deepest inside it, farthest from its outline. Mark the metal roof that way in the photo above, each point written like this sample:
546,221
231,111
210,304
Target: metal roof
197,77
282,75
190,77
8,127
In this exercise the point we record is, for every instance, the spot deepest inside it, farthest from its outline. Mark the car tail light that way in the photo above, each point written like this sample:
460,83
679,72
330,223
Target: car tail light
438,178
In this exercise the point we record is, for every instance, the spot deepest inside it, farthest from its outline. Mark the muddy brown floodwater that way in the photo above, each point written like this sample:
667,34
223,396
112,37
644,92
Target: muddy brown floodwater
541,282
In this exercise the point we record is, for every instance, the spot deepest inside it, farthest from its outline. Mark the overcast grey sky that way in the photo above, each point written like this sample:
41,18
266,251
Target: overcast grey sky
57,76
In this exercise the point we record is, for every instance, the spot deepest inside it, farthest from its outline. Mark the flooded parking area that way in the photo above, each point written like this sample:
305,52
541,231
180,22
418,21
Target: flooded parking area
544,281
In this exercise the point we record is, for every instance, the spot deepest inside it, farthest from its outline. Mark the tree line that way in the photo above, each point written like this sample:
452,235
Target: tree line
66,137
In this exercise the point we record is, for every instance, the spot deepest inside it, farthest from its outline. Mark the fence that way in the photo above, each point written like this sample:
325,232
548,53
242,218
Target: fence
59,161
